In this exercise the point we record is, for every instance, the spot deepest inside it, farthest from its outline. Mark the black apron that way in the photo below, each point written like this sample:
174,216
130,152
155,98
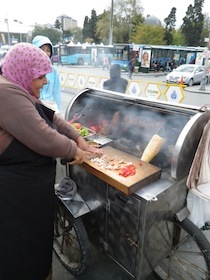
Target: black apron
26,210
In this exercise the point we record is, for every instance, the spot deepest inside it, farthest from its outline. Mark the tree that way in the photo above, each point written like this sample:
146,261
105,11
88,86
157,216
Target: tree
93,23
67,36
57,24
127,16
206,26
49,31
178,38
193,22
90,28
170,23
77,34
149,34
103,27
86,32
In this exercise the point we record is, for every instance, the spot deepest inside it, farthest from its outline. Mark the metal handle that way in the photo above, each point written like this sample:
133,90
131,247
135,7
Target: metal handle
123,198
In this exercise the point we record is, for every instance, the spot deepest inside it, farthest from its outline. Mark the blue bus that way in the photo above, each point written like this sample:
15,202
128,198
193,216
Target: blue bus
173,54
84,54
148,56
55,54
121,54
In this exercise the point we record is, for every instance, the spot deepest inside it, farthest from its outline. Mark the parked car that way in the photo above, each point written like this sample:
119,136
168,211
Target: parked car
3,50
188,74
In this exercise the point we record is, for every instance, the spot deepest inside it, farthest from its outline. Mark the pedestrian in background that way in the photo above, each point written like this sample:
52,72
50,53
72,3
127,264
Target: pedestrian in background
208,73
51,92
130,68
167,66
208,76
115,83
59,57
105,63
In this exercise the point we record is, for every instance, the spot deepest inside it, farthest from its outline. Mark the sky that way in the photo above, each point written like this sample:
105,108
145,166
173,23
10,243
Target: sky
41,12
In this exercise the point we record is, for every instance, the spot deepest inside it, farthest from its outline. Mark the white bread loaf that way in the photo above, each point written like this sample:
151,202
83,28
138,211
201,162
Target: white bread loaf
153,148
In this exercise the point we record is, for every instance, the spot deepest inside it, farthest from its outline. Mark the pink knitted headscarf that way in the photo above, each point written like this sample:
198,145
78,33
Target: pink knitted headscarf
23,63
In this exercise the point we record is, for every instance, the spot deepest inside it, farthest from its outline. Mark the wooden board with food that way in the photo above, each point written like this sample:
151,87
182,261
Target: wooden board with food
123,171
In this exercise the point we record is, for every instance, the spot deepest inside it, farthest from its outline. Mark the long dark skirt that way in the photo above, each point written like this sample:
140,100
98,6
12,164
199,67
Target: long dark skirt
26,216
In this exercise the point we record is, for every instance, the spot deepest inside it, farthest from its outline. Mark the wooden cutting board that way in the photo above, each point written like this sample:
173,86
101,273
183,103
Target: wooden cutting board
145,172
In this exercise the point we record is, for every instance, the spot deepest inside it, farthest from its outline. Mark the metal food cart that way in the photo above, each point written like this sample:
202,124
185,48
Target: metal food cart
142,225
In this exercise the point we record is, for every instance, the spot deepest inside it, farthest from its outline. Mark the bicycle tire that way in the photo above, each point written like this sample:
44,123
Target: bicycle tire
189,257
71,243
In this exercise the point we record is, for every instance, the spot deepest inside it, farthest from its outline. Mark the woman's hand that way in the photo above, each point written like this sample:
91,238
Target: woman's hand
94,150
91,149
79,157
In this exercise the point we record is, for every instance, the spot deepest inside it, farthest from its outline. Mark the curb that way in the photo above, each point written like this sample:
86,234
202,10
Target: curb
196,89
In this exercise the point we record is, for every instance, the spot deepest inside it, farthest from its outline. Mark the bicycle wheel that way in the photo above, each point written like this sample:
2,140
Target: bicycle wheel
71,243
189,257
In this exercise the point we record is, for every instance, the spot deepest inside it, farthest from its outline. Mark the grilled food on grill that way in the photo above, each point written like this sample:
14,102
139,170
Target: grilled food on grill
153,148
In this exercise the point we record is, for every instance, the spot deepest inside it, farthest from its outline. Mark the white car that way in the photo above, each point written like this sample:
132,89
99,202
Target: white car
3,50
188,74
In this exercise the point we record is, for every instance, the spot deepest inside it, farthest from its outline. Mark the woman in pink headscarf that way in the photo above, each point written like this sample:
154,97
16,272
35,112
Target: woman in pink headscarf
31,138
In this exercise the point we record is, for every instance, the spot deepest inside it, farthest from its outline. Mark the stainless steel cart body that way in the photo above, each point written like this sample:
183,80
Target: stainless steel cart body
125,226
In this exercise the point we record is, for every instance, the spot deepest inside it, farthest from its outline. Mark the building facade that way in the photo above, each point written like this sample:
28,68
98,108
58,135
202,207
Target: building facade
67,22
13,31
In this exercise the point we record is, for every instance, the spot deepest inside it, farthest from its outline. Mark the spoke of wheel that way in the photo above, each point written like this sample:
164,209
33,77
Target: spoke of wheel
72,250
168,242
178,264
68,240
192,265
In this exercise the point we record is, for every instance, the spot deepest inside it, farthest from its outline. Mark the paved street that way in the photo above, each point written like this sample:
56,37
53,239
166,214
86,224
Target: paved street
101,267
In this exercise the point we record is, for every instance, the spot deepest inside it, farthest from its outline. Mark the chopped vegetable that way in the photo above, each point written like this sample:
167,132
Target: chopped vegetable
81,129
128,170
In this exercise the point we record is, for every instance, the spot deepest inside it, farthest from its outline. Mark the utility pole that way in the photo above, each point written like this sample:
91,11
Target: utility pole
207,56
111,23
8,34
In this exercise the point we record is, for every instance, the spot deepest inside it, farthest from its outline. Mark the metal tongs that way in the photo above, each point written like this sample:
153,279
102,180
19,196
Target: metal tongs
77,116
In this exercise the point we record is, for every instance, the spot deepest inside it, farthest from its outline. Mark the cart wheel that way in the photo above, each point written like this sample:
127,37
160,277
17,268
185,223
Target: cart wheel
189,256
71,243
